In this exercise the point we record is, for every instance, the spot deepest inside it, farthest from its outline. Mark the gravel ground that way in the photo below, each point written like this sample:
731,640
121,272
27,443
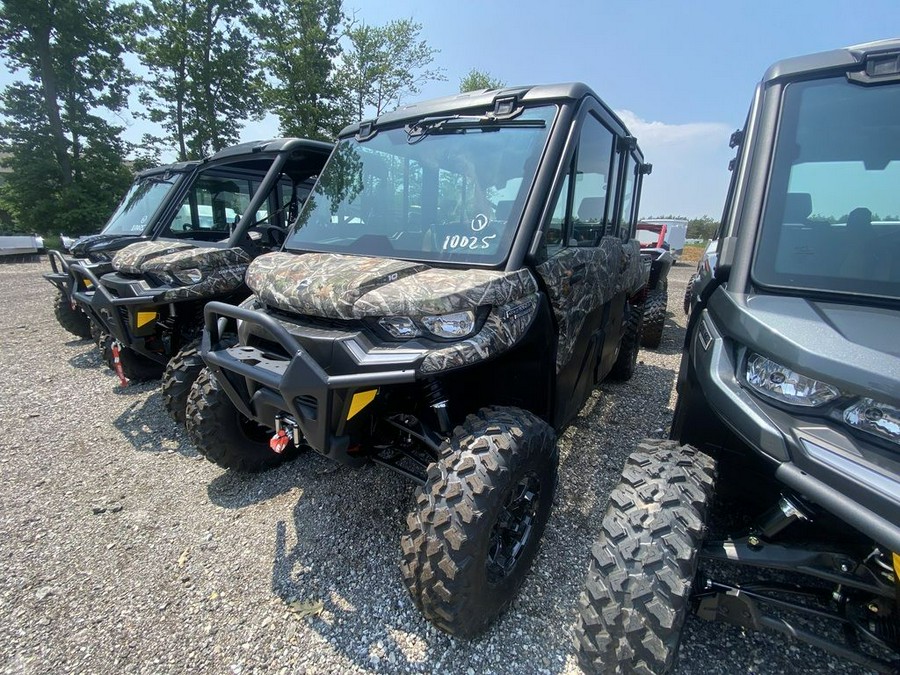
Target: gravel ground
126,552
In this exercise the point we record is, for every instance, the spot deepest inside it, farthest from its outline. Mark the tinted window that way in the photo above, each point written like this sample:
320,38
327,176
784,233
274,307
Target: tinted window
213,205
832,215
136,210
455,193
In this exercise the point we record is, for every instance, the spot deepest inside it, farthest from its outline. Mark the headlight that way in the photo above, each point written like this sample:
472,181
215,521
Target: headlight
875,418
190,276
399,326
783,384
99,256
455,325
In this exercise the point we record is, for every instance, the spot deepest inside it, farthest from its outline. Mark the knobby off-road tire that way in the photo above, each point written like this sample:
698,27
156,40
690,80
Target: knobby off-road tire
626,361
688,296
73,320
638,586
224,436
494,481
178,378
654,317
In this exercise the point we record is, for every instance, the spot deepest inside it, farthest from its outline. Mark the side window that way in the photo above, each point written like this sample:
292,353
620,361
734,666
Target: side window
592,173
579,216
625,215
212,204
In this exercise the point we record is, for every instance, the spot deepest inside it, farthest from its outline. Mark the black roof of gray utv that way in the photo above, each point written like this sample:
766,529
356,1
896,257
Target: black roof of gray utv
273,145
480,100
836,59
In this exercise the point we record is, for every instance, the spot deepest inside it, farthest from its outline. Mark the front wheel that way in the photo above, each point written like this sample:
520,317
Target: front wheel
638,586
478,520
223,435
178,378
73,320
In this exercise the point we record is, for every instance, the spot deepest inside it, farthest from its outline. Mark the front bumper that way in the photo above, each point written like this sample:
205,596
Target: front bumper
264,384
130,317
853,478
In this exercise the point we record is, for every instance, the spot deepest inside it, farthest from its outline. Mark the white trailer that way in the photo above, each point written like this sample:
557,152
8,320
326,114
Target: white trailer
676,233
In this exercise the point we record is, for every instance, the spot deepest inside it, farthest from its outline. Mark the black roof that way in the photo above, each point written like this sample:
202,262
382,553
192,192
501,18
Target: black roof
177,167
836,59
271,145
481,100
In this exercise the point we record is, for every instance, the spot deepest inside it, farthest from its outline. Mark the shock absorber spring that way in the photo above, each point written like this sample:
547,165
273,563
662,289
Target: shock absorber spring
435,396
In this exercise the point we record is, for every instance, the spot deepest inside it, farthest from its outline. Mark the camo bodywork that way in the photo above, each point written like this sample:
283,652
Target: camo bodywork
600,270
223,271
503,328
633,274
351,287
131,259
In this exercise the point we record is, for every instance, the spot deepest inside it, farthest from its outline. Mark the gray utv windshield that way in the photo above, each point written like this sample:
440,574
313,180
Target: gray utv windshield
448,189
137,209
832,215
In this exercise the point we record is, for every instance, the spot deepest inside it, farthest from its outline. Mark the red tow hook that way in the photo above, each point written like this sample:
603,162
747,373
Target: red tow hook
117,364
279,441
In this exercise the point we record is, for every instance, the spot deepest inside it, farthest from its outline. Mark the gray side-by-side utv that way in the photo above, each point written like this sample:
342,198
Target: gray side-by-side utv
461,277
783,465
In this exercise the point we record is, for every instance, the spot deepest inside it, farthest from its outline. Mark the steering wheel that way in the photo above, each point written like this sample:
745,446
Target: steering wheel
272,235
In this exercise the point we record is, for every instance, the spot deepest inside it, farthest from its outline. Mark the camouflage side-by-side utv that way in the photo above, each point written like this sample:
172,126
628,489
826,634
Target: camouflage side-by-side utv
136,218
652,237
461,277
788,410
151,306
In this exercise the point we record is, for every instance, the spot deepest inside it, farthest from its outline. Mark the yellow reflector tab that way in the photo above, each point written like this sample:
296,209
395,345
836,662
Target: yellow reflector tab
897,565
360,400
143,318
88,283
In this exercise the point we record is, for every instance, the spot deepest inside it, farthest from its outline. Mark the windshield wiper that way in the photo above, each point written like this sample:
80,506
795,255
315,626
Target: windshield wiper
452,124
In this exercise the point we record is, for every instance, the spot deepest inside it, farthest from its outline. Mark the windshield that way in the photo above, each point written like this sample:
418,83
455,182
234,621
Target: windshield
448,193
832,216
135,212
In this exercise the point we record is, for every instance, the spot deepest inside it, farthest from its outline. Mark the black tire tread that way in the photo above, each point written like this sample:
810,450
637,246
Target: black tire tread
638,586
74,321
211,418
178,378
654,317
441,549
626,361
688,296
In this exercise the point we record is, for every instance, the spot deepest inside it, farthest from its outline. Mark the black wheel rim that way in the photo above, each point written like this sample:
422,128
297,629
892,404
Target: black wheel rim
514,528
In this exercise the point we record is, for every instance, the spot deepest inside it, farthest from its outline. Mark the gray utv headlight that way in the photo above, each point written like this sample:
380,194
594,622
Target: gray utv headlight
189,276
401,327
783,384
455,325
875,418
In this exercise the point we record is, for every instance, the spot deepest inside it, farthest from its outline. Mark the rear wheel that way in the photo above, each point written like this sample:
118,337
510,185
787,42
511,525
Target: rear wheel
654,317
626,361
223,435
478,520
688,296
638,586
73,320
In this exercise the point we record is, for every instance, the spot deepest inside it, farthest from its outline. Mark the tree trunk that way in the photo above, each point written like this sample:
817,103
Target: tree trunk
180,88
41,37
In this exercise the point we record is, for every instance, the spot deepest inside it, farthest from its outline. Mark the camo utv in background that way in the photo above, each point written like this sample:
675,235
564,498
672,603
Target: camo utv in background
652,237
462,276
237,206
788,404
137,217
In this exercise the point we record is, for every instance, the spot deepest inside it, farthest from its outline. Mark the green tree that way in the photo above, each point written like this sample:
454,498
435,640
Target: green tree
383,65
476,80
203,81
66,160
300,41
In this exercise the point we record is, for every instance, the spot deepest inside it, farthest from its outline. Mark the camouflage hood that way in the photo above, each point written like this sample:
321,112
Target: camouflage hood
131,259
200,272
344,287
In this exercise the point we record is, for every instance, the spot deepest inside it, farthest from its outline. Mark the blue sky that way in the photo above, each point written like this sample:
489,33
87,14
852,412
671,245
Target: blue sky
679,73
